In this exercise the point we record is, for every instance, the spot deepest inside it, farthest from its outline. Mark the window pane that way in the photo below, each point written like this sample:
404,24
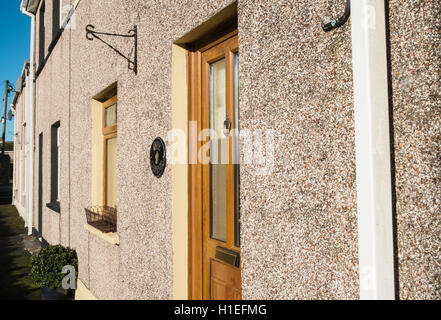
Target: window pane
111,174
55,163
236,145
218,173
111,115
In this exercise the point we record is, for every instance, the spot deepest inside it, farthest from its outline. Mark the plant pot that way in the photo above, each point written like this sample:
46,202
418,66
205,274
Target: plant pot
57,294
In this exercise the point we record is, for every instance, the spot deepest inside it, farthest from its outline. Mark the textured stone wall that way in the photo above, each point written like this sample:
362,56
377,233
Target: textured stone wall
299,223
52,105
415,41
19,153
295,79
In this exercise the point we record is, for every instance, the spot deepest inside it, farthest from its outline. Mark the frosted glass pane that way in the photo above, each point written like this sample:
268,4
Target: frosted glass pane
236,145
111,174
218,195
111,114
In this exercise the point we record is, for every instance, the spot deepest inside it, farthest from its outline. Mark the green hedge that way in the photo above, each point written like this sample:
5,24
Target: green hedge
46,266
9,146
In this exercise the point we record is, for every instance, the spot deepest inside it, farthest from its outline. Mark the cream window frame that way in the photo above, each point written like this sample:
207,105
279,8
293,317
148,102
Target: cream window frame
108,133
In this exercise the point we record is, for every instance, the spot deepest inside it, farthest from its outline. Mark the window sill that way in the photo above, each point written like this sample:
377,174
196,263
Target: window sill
54,206
111,238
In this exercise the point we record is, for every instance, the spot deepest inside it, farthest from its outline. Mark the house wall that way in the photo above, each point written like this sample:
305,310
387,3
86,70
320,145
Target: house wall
19,156
296,230
299,222
52,105
415,43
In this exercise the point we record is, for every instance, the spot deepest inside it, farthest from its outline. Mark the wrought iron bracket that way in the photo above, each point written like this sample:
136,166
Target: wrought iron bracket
340,21
133,33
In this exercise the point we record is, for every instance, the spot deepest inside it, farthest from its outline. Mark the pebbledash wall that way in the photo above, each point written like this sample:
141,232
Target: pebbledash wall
416,102
299,224
19,171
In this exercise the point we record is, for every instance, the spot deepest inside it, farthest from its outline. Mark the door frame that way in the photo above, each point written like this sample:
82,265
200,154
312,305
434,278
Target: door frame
195,181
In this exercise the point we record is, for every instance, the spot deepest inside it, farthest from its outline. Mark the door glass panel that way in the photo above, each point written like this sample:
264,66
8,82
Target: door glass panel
236,146
111,115
111,172
218,165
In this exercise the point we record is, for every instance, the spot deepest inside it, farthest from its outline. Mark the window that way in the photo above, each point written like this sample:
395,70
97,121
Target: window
55,168
110,128
102,214
56,17
236,152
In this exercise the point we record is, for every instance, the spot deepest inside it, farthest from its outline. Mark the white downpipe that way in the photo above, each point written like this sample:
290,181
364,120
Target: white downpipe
29,148
374,195
14,173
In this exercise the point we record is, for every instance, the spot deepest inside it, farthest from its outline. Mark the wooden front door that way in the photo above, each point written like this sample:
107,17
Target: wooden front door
216,80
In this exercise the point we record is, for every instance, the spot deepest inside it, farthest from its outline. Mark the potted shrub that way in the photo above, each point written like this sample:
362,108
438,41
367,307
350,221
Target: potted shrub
46,271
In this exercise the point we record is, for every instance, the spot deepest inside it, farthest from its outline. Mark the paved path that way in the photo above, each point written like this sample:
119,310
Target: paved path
14,258
6,194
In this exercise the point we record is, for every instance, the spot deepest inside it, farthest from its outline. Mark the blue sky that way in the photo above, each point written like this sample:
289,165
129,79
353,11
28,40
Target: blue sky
14,50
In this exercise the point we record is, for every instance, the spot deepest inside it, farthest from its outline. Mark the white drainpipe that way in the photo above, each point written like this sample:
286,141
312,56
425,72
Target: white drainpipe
374,194
30,101
15,162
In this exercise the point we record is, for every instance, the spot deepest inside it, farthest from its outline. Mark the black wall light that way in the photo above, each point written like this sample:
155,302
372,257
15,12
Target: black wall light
340,21
158,157
133,33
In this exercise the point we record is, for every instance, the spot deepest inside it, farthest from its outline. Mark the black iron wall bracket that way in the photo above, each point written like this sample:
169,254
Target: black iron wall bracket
133,33
340,21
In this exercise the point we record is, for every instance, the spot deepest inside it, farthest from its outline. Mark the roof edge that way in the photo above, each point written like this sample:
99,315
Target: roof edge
30,6
20,80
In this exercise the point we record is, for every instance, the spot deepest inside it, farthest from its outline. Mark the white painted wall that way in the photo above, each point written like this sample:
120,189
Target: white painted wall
29,116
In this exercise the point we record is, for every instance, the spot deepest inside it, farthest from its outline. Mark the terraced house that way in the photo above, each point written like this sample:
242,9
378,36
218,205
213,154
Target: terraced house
235,149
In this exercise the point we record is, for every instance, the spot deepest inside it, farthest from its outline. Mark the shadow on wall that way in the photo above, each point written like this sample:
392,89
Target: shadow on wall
392,153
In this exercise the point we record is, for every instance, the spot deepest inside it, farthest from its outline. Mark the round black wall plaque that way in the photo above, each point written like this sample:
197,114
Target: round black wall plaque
158,158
